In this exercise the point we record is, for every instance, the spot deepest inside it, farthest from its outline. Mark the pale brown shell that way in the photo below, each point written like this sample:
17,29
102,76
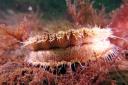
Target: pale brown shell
68,46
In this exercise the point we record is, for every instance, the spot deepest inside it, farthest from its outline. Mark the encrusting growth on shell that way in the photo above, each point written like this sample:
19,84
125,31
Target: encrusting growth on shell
68,38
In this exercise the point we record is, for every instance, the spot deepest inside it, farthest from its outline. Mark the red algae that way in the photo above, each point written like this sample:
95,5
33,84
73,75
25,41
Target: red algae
119,26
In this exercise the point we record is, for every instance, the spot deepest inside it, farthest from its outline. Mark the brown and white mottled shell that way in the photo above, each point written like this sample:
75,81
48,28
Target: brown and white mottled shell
73,45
